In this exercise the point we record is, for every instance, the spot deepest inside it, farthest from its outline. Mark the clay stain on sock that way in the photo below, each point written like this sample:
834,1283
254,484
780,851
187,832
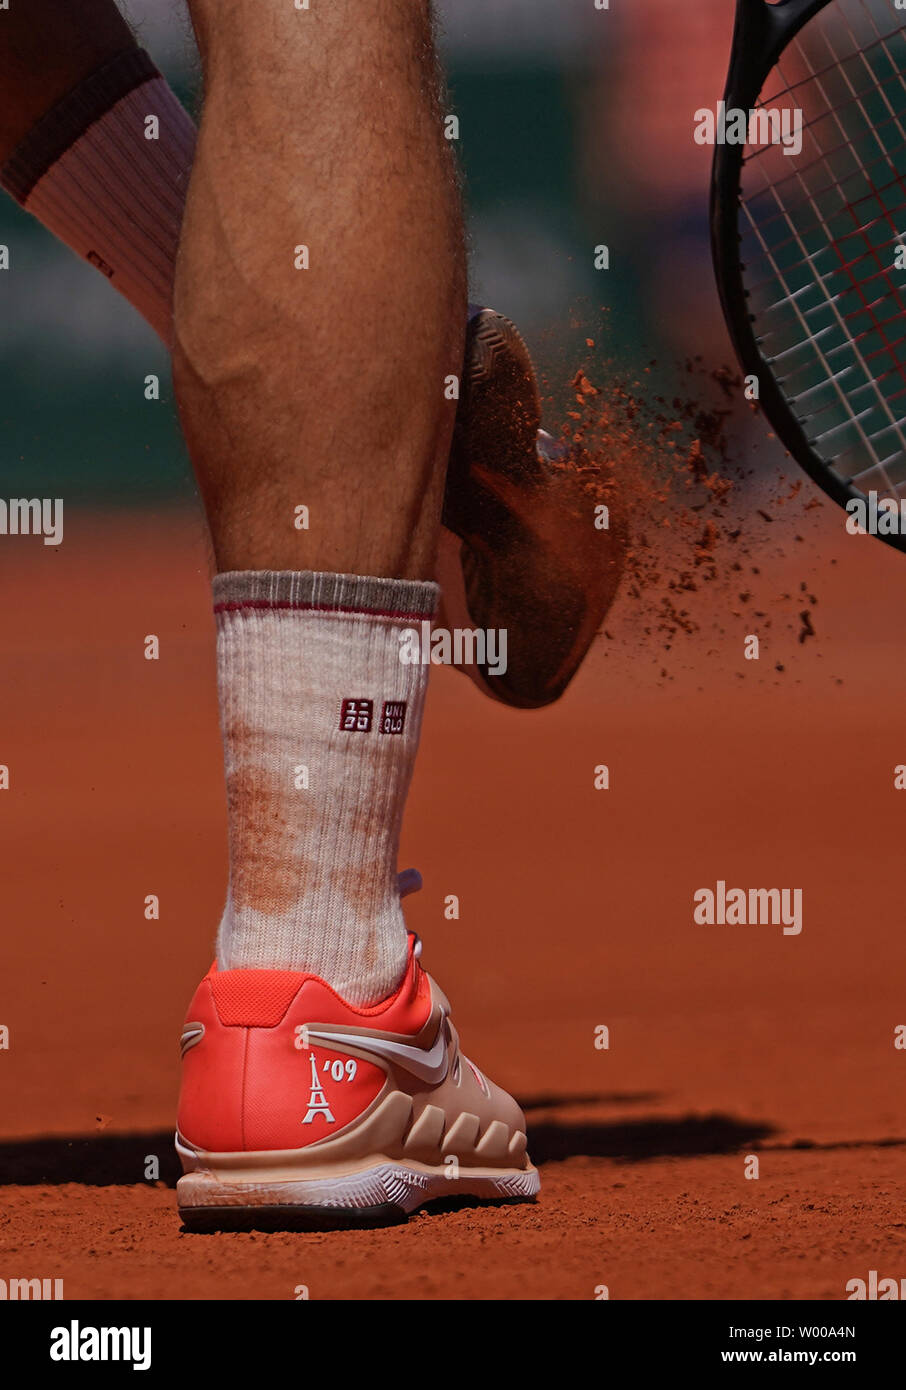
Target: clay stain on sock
266,873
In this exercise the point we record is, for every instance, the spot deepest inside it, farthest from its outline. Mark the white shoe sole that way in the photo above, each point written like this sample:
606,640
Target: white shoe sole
376,1193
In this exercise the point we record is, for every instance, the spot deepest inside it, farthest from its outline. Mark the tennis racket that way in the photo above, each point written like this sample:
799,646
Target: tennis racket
806,244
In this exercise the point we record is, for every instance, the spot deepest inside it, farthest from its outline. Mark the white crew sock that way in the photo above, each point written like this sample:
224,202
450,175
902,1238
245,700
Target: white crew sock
89,171
312,688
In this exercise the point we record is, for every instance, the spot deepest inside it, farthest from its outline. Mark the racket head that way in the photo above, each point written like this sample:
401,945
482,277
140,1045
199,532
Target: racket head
796,240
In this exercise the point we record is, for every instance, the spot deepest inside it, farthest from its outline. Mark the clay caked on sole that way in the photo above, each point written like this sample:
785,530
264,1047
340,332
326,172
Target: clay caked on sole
532,559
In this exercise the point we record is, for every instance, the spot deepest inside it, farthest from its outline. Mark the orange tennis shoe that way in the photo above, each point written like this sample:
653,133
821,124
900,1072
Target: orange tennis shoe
299,1109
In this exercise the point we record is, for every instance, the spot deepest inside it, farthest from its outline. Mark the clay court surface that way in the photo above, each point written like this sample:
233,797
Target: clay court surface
576,911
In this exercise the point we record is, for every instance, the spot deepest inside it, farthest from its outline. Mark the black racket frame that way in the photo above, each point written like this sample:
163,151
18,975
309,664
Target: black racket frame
760,35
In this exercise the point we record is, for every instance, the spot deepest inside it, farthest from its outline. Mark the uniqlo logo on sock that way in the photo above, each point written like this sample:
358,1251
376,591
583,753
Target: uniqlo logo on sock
393,717
101,264
356,716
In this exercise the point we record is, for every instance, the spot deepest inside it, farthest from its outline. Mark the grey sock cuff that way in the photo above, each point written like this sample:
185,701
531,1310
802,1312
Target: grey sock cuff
317,591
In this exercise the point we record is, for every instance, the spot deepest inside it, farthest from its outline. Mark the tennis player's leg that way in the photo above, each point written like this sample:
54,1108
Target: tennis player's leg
319,314
319,310
95,144
320,293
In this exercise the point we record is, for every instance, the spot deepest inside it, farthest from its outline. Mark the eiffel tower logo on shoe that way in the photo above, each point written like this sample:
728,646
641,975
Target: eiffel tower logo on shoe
317,1101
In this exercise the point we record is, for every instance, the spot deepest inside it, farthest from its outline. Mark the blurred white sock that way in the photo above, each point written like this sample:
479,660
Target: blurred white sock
106,170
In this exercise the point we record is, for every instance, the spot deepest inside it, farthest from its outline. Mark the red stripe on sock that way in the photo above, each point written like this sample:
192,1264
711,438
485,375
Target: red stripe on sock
237,605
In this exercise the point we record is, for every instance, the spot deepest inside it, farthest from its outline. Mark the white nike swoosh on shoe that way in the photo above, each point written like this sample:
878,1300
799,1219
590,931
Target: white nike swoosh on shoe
428,1064
192,1033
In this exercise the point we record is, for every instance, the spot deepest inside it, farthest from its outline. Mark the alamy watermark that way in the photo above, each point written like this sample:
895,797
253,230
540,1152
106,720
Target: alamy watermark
27,1290
765,125
85,1343
740,907
874,515
875,1287
32,516
427,645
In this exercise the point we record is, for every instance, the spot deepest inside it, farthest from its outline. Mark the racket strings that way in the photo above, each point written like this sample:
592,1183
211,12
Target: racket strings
819,229
790,89
863,228
890,158
885,156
